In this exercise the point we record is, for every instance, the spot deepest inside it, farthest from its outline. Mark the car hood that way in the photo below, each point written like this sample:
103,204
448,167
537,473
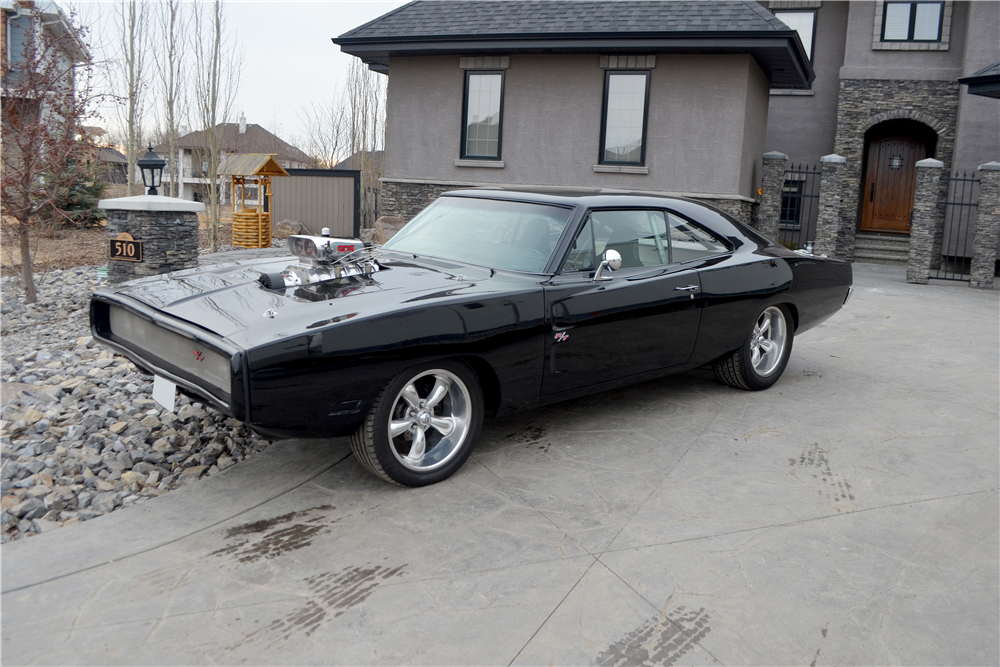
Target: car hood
228,300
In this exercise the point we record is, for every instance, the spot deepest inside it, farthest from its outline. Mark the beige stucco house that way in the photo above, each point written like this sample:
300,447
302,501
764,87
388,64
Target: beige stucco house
668,97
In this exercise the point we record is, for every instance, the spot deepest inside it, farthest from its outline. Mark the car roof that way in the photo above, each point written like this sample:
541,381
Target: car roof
570,196
608,198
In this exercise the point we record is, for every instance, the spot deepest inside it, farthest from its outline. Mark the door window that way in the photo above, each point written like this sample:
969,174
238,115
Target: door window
639,236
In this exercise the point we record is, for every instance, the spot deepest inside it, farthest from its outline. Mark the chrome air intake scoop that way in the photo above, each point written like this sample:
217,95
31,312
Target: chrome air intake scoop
321,258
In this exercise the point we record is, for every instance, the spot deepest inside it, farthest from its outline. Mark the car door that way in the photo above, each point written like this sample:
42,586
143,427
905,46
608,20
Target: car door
644,318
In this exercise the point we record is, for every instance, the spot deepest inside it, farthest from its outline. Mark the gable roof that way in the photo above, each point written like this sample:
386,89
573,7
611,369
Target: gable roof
355,161
105,154
255,139
472,27
251,164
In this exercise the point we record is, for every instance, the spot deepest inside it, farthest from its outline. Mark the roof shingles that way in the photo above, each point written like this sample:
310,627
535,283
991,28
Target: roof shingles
427,18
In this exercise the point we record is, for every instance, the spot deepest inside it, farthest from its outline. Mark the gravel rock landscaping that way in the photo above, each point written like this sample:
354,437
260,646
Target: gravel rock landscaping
80,434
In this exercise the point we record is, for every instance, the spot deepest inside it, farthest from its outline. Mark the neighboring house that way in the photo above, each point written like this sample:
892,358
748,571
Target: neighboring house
112,165
887,94
658,96
15,28
190,165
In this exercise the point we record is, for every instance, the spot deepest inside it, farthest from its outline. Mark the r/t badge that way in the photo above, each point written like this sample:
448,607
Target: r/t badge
561,336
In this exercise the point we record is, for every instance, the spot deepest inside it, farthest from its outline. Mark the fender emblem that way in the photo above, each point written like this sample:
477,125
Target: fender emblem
561,336
270,313
197,355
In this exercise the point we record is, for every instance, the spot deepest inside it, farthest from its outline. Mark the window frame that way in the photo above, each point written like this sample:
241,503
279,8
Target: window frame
912,23
672,263
463,155
814,12
604,118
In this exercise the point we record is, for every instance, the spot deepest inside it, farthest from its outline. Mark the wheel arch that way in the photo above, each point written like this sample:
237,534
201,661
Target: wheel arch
488,381
793,309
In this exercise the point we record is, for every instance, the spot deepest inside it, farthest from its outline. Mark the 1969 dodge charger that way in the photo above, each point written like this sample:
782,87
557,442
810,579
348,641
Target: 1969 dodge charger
489,301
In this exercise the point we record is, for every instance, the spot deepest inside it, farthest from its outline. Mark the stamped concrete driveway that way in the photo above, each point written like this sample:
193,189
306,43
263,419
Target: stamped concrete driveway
849,515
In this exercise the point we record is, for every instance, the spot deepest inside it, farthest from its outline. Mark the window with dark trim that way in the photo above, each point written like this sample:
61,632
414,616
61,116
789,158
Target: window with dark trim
623,121
482,115
912,21
791,204
802,21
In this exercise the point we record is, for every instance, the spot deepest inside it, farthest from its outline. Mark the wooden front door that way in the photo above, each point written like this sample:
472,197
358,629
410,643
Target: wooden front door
889,184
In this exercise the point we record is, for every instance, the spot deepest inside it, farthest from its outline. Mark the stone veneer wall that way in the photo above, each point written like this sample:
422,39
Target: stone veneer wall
169,242
925,222
984,248
741,209
865,103
407,198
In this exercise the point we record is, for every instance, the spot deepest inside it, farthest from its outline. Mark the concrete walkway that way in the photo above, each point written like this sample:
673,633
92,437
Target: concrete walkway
849,515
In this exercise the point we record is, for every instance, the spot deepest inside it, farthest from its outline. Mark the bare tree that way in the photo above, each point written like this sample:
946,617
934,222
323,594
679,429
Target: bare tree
130,77
365,103
46,100
325,124
170,71
218,63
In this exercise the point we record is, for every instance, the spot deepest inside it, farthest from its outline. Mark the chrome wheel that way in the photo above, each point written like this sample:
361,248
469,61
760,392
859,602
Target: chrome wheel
429,420
767,341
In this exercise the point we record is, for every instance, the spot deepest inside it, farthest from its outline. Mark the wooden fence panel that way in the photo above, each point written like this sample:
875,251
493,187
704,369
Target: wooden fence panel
319,198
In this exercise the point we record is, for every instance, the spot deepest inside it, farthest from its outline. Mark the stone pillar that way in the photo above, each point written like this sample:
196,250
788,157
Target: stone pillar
772,182
166,227
831,193
923,227
984,245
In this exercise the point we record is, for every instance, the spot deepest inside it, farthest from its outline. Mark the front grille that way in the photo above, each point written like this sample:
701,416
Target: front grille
164,347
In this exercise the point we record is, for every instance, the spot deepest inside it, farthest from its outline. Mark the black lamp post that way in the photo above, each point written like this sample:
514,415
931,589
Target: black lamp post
152,166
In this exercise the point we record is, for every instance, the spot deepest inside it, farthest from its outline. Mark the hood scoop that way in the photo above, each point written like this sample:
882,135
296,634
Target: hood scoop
321,258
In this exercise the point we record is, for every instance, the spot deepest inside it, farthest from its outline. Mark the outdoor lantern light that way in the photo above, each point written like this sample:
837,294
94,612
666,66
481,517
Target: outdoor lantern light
152,170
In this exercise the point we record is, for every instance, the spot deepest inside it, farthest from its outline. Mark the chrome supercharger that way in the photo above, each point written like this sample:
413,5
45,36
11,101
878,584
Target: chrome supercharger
321,258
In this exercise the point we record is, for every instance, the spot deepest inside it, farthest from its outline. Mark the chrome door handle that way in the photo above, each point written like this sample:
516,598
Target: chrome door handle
686,288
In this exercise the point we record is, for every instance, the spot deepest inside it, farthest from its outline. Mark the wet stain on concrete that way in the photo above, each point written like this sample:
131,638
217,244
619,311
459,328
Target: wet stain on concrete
816,657
662,640
270,538
349,587
812,466
529,435
329,593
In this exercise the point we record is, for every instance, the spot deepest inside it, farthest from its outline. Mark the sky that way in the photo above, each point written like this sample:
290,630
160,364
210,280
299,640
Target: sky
289,61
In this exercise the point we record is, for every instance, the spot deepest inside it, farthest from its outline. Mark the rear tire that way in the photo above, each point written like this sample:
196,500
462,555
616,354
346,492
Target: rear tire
422,427
762,358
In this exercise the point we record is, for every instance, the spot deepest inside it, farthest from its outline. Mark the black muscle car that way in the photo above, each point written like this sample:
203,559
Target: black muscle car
489,301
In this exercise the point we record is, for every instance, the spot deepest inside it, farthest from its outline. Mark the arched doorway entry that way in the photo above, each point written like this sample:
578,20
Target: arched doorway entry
892,150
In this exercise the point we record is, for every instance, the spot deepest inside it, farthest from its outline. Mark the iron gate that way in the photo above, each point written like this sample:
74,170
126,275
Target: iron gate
959,228
799,206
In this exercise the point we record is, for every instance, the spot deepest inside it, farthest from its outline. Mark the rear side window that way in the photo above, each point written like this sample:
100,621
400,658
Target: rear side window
688,241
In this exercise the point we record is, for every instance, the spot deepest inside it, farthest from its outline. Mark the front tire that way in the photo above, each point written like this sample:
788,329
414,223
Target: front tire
762,358
422,427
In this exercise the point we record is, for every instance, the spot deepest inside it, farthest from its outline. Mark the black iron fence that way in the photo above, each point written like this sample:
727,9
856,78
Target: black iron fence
799,206
959,227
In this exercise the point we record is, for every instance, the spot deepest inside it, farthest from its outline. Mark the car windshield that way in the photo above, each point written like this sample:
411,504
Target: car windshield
498,234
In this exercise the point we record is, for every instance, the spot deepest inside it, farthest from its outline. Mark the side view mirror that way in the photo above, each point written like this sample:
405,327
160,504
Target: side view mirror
612,261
